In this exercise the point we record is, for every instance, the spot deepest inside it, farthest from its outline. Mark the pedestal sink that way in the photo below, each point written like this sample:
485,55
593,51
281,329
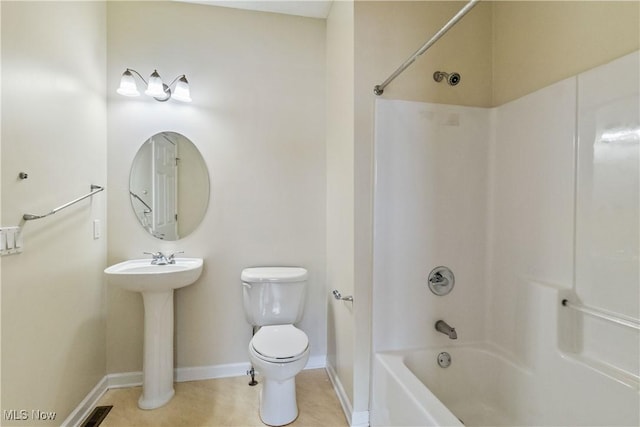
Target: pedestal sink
156,283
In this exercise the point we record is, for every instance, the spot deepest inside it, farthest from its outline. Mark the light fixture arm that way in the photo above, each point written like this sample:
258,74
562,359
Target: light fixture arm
176,79
139,75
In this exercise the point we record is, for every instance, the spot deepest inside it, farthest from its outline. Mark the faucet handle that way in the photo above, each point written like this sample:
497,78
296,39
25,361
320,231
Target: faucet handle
438,278
172,258
441,280
158,258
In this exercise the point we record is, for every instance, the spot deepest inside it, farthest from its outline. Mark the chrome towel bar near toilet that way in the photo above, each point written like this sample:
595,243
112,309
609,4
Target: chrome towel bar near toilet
338,296
620,319
94,189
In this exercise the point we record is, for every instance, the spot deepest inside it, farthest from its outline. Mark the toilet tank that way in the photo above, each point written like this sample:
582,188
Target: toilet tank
274,295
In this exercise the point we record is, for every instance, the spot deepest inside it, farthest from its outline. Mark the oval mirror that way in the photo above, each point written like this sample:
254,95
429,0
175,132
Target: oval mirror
169,186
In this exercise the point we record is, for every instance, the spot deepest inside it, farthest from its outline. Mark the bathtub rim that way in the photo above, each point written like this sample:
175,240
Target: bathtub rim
394,366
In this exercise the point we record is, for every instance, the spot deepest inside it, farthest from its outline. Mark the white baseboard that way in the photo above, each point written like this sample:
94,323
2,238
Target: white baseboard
87,404
124,380
355,419
196,373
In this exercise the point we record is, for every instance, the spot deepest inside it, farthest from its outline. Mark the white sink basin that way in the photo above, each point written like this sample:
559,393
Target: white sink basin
140,276
156,283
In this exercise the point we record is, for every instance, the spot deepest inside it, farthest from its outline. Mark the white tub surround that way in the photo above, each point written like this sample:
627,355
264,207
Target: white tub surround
607,212
530,203
485,386
430,210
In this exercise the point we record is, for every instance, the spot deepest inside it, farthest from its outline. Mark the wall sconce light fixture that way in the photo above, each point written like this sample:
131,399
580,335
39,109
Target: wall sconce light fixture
156,88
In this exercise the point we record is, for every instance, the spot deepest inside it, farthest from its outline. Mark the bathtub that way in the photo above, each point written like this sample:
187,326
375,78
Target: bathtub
411,389
483,387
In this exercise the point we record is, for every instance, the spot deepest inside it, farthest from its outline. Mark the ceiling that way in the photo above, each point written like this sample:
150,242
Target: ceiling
309,8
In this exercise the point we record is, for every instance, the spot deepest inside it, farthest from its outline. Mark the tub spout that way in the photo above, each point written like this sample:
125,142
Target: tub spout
442,327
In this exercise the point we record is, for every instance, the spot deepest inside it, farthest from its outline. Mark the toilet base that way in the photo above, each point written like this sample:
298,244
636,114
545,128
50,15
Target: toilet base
278,405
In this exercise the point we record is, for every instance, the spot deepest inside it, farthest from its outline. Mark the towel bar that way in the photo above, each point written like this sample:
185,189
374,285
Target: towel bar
94,189
599,313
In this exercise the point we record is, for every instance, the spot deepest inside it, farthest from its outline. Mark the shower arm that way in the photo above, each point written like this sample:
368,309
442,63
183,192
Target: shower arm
379,89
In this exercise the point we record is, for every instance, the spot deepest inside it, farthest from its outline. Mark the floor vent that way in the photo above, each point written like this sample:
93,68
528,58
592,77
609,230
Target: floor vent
96,416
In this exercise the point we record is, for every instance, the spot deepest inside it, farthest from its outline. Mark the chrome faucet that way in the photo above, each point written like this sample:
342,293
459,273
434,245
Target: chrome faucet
161,259
158,258
442,327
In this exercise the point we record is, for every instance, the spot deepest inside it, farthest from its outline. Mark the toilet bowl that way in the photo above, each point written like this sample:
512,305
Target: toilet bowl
274,300
279,353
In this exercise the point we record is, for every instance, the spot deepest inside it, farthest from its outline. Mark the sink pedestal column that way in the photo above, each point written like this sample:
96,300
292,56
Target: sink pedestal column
157,383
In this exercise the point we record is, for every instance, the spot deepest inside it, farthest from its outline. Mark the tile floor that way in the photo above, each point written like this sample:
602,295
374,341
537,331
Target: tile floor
225,402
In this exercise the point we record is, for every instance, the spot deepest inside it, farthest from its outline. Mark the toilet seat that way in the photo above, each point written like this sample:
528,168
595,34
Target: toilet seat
280,343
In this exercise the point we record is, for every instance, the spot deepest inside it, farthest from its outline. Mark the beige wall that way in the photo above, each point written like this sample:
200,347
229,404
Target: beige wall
257,116
340,192
388,32
502,49
53,321
537,43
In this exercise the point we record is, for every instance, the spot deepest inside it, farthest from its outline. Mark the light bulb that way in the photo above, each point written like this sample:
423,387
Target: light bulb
128,85
155,86
182,93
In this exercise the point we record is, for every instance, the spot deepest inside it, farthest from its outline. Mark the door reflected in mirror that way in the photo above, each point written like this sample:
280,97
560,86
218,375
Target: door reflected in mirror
169,186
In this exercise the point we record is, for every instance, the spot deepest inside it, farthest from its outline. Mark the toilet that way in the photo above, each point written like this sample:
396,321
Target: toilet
273,299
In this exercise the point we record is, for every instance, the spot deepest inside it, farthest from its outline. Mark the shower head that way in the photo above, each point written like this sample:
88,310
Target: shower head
452,78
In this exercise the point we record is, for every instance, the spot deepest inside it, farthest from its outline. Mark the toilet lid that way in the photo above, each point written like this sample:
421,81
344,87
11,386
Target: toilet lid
273,274
280,342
